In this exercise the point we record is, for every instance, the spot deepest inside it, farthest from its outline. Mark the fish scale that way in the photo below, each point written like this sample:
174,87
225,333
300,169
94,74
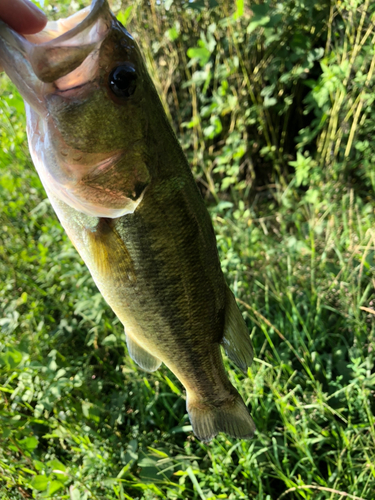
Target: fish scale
122,189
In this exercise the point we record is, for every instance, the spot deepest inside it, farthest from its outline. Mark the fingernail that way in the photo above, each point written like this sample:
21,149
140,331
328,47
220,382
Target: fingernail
31,6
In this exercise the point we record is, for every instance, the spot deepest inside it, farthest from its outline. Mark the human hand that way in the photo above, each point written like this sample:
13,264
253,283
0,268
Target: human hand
23,16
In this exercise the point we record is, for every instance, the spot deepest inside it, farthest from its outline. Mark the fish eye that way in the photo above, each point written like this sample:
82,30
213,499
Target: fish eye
123,80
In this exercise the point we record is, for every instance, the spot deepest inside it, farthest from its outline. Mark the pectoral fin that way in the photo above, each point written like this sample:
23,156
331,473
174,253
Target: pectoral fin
236,341
109,253
144,359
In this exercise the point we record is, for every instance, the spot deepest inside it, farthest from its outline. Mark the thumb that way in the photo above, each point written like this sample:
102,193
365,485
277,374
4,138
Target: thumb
23,16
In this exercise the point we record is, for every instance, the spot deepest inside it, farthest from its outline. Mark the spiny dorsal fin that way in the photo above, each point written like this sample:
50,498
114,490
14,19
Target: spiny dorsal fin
143,358
236,341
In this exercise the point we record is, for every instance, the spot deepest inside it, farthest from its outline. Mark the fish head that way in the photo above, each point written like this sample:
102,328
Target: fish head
88,95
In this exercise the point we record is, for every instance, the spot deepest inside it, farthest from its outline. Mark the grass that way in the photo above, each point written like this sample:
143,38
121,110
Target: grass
78,420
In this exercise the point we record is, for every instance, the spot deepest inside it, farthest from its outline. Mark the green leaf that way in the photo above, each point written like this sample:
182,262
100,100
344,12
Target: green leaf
40,483
124,16
74,493
158,452
29,471
262,21
168,4
111,340
29,443
194,480
11,357
56,465
302,165
269,101
260,18
54,486
172,386
147,462
196,5
173,33
239,9
200,53
39,465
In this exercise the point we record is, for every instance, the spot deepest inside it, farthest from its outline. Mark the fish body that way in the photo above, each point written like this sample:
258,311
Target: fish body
121,187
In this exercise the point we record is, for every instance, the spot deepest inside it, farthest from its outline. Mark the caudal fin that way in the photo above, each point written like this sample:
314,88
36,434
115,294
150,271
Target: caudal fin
231,417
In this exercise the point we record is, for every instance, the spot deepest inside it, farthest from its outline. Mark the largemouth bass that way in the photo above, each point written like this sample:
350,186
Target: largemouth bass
122,189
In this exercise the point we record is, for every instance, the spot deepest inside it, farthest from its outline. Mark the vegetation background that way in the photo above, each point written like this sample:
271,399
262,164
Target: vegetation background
273,104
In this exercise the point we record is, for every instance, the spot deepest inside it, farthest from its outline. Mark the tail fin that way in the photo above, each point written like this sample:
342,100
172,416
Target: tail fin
231,417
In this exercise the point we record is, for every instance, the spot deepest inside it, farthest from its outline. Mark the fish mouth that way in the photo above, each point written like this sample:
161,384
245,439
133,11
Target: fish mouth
61,57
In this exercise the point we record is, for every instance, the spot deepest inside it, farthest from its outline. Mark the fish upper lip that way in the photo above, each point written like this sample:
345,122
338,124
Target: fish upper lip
76,87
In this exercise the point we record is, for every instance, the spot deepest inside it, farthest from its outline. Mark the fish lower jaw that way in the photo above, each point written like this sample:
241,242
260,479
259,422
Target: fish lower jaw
96,208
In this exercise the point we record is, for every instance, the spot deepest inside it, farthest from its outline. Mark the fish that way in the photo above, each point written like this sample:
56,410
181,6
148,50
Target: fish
123,190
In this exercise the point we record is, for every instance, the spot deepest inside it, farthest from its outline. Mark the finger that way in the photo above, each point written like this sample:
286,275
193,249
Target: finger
23,16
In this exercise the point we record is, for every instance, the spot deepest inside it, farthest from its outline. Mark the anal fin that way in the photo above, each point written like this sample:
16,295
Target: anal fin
143,358
236,341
